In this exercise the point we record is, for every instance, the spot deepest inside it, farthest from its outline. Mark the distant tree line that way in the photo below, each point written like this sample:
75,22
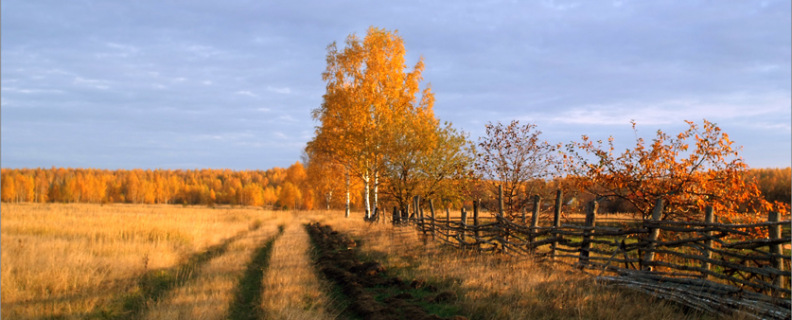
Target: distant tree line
775,183
289,188
277,187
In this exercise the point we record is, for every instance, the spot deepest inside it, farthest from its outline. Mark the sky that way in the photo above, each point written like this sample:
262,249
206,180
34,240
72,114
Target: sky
231,84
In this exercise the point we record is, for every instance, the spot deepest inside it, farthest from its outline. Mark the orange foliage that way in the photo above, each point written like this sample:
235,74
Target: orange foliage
206,186
290,196
375,128
326,180
695,168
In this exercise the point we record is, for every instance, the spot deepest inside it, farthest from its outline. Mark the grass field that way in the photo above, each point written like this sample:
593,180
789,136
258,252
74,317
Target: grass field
502,287
68,260
77,261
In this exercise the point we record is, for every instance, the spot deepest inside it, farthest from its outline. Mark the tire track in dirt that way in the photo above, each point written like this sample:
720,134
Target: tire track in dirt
155,284
211,293
247,304
371,293
292,289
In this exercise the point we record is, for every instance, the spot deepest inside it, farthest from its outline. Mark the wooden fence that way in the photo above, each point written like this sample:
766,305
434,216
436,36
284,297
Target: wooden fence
727,267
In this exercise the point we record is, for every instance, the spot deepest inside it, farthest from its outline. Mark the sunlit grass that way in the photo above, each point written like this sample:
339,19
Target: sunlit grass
291,287
210,294
70,260
494,286
67,260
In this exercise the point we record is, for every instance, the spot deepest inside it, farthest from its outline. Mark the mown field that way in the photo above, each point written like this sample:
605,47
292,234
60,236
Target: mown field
78,261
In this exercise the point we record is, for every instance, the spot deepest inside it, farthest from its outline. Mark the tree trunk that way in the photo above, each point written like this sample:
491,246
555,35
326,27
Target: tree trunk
329,198
376,190
366,193
346,213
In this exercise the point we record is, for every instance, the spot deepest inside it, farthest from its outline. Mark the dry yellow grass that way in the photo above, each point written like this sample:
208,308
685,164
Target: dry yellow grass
65,260
213,289
292,289
68,260
502,287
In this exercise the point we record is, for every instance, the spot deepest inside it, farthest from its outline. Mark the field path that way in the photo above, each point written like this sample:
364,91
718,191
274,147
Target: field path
291,288
216,285
370,291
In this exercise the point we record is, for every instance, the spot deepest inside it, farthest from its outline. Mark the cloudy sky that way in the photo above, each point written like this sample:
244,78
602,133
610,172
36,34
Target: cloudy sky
231,84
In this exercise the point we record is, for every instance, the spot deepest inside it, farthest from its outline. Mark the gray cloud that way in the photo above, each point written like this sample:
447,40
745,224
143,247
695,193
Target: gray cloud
202,84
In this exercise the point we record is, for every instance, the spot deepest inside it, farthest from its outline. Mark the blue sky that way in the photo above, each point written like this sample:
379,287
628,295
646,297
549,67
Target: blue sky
231,84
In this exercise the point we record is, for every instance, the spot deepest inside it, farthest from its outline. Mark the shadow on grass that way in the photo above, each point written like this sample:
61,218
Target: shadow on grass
370,290
247,303
153,285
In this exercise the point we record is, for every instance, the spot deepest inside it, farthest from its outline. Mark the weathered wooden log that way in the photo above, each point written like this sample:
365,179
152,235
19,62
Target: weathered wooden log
756,284
396,216
591,217
704,295
463,220
708,218
476,205
655,233
556,219
501,218
758,255
774,233
432,212
543,242
757,243
664,226
448,217
534,217
500,200
420,214
713,227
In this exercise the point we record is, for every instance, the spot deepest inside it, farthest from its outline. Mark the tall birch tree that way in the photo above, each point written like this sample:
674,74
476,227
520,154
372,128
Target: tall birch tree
368,92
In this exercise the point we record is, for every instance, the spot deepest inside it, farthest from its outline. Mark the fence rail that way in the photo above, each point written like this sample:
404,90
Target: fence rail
726,258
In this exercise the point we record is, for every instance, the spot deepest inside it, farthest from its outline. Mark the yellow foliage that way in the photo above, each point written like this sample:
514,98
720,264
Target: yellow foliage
290,196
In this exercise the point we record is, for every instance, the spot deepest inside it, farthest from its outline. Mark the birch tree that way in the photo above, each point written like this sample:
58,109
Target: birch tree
368,91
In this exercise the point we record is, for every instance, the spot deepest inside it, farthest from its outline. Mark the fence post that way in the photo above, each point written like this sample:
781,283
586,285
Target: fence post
500,200
556,222
653,235
423,221
708,218
464,226
396,215
504,228
431,211
418,213
774,232
535,217
476,205
585,246
448,223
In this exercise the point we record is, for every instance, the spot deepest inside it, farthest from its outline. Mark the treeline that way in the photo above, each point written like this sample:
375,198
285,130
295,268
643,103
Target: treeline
282,188
775,183
276,187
